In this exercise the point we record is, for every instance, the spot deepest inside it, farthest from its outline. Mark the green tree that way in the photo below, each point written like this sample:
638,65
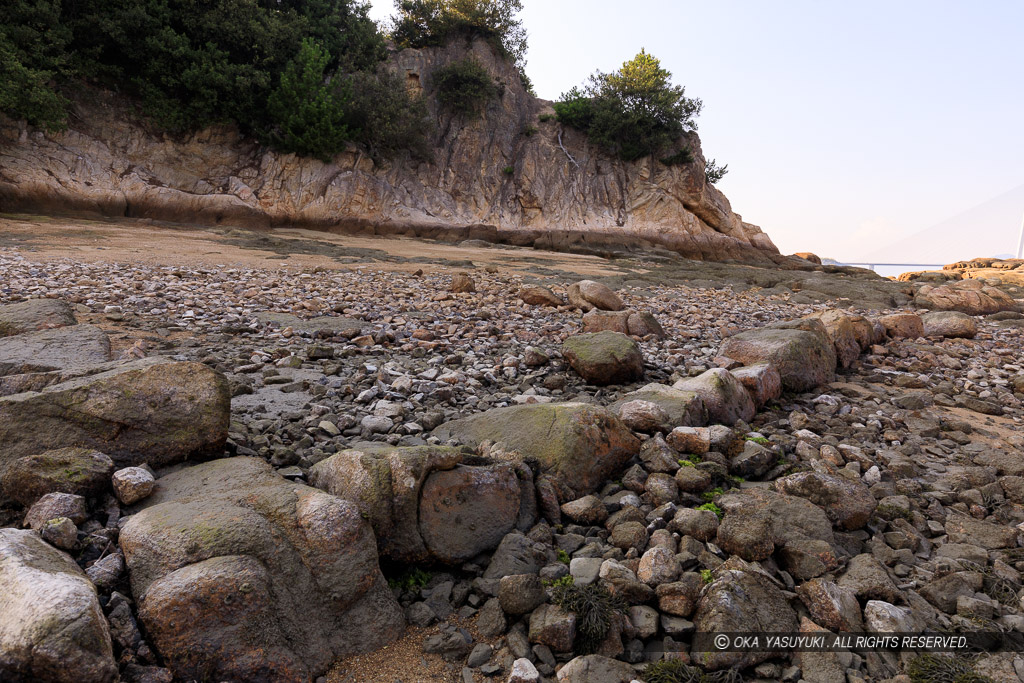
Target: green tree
713,172
633,112
422,23
384,117
307,109
32,56
464,87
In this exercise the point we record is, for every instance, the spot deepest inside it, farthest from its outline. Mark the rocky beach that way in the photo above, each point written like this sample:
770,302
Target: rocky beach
237,455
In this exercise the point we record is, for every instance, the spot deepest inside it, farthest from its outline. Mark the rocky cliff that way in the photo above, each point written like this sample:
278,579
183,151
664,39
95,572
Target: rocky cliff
561,193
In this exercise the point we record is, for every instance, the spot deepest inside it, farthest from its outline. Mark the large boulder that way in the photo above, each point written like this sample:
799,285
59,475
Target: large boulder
423,504
61,348
682,408
847,503
588,295
34,315
841,329
242,575
81,471
969,296
800,350
583,445
951,324
604,357
761,380
725,397
740,599
903,325
147,411
536,295
758,522
51,624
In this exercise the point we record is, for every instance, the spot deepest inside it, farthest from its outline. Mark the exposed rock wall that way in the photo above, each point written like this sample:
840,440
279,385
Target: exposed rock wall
562,193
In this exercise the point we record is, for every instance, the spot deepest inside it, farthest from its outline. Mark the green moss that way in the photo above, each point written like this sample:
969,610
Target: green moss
410,578
566,580
678,671
710,495
713,508
685,463
759,440
563,556
707,576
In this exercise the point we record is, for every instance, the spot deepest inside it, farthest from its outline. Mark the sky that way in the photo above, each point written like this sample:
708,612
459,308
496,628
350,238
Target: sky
851,129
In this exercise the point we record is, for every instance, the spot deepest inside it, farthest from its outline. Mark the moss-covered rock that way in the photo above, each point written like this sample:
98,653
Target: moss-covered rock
81,471
147,411
683,408
34,315
242,575
604,357
583,445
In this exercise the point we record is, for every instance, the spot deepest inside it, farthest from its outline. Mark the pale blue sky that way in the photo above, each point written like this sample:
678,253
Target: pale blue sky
847,126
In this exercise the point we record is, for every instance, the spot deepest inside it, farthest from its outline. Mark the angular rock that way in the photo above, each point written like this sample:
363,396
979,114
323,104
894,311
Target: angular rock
741,600
535,295
606,321
682,408
596,669
51,625
54,505
60,532
642,324
462,283
34,315
840,328
241,574
583,445
966,529
146,411
62,348
950,324
552,626
520,593
866,577
642,416
759,521
832,606
80,471
903,325
701,524
657,566
753,462
132,484
680,597
587,295
516,554
800,350
725,398
604,358
761,380
847,503
587,510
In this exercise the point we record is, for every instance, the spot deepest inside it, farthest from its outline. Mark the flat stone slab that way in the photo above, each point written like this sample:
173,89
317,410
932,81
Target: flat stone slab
57,349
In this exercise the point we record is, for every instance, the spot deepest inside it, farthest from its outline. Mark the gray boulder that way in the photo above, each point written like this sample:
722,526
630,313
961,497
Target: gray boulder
682,408
800,350
51,625
61,348
581,444
243,575
147,411
604,357
81,471
726,399
34,315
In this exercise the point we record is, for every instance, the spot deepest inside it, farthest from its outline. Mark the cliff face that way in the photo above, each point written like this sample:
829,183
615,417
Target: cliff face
563,193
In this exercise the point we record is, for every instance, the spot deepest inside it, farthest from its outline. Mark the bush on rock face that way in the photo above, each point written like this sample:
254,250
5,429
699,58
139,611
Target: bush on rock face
464,87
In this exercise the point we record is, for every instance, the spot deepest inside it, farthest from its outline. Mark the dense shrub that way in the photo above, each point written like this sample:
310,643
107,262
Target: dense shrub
633,112
307,108
384,117
32,55
422,23
464,87
301,75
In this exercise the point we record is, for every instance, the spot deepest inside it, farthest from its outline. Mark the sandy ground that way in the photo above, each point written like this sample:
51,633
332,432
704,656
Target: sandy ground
167,244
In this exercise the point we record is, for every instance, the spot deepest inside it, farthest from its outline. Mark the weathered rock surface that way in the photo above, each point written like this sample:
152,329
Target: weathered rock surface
800,350
604,357
952,324
847,503
147,411
80,471
241,574
577,198
34,315
682,408
583,445
51,625
725,398
969,296
61,348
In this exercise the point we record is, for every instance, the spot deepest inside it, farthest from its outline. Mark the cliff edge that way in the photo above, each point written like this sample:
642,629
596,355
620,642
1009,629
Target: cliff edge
507,177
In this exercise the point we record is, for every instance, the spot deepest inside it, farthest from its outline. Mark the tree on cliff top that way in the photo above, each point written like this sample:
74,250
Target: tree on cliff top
424,23
633,112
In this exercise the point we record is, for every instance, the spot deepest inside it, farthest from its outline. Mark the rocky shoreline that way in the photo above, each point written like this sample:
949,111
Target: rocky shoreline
263,473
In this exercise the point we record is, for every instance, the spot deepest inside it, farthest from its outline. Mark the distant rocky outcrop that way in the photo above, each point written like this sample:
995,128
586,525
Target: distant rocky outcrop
506,177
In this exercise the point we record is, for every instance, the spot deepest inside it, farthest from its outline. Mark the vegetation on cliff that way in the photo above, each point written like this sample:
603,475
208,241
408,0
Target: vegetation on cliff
308,76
